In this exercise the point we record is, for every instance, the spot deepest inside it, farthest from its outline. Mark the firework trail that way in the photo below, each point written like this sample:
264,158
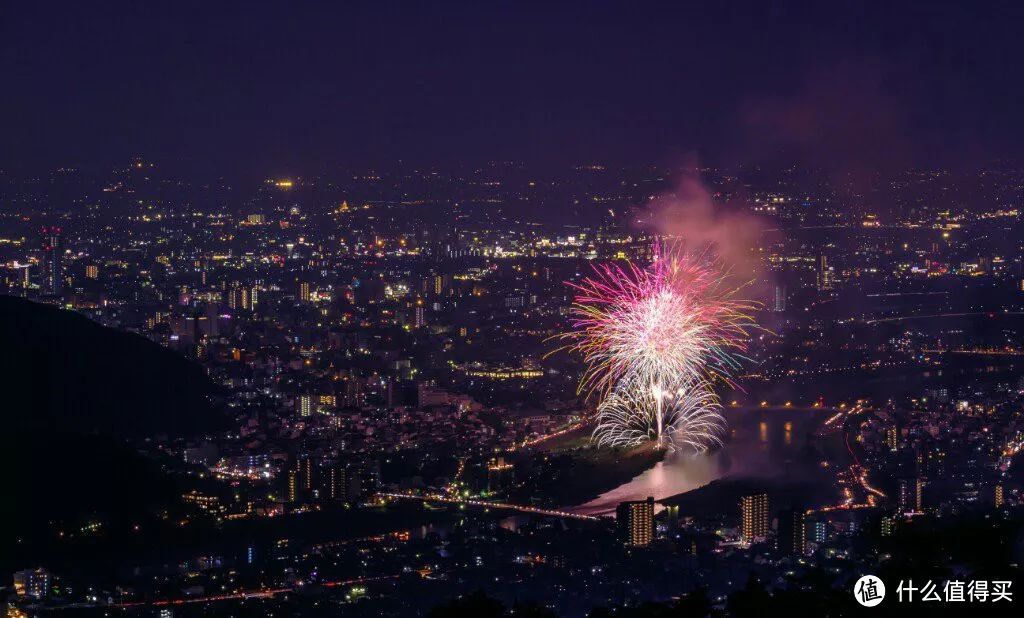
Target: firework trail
656,341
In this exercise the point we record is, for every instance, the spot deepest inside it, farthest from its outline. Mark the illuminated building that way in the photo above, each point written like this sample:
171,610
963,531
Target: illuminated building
92,271
305,467
336,484
910,497
53,260
792,536
439,284
305,295
241,298
755,517
904,496
33,583
326,403
819,531
500,475
892,438
824,274
888,525
305,405
292,486
636,522
780,298
208,503
998,496
234,298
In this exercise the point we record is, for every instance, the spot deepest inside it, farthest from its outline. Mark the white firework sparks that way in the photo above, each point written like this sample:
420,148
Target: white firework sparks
670,415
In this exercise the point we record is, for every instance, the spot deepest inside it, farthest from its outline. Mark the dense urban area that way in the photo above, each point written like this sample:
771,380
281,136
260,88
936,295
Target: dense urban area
341,394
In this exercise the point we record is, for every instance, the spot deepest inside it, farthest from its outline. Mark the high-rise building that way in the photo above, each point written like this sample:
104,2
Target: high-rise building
819,531
824,274
305,294
892,437
792,536
755,517
53,260
910,497
888,525
34,583
305,405
92,271
780,298
636,522
292,486
997,496
336,484
904,496
305,466
234,298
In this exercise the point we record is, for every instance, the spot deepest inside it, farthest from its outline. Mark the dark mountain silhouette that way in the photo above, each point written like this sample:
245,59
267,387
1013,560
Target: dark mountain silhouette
73,392
60,370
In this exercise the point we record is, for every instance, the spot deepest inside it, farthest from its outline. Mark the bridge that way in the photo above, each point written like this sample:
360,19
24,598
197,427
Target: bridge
256,593
505,506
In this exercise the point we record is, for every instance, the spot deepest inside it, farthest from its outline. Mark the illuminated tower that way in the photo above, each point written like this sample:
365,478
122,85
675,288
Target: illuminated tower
755,517
53,264
636,522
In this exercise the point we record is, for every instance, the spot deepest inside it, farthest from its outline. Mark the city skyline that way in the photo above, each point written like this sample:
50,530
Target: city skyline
564,310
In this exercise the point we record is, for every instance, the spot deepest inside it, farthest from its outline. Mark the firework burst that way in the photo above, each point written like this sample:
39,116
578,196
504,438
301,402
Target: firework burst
656,341
688,414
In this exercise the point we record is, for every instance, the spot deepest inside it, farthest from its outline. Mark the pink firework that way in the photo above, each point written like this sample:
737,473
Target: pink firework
673,323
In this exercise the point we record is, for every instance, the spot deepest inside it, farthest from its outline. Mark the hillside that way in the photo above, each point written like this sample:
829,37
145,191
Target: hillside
60,370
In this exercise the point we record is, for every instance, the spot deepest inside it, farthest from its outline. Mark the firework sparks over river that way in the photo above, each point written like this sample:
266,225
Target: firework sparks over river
657,340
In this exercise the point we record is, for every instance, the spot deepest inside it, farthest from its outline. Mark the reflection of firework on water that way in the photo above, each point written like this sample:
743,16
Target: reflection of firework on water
633,414
646,331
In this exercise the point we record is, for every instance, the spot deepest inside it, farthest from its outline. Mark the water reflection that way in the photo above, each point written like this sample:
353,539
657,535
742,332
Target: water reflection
677,473
756,446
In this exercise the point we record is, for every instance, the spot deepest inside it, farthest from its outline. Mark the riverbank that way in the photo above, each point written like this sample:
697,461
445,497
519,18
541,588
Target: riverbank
582,474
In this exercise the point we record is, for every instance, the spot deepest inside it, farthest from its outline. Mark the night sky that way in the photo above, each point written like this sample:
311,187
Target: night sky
294,87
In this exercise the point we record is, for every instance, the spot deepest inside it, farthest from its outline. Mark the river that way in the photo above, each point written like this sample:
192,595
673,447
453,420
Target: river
757,442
